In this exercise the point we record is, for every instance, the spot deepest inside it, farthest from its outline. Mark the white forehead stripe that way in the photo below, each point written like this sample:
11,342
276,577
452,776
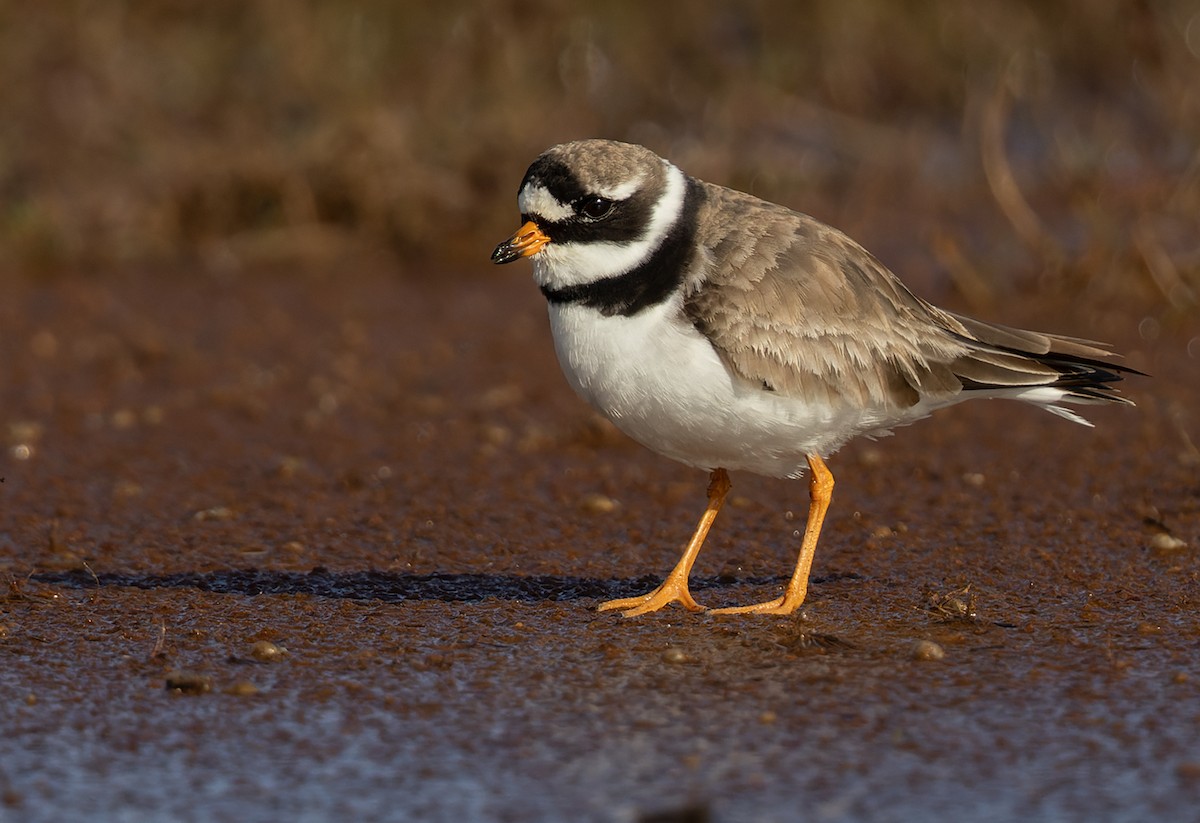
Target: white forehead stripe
559,265
537,199
622,191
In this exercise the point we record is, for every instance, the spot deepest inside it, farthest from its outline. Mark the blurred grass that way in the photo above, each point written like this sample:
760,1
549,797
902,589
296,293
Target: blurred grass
246,134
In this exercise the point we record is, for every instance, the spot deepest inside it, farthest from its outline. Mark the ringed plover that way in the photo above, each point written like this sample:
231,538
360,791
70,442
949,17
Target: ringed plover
727,332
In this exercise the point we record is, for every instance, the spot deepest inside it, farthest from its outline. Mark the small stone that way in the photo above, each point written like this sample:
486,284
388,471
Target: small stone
927,650
242,688
599,504
182,682
214,513
123,419
675,655
265,651
1163,542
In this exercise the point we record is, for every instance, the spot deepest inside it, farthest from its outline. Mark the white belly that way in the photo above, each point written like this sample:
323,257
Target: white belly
661,382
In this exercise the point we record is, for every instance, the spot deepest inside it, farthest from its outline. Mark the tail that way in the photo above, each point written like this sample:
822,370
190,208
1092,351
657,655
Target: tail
1043,369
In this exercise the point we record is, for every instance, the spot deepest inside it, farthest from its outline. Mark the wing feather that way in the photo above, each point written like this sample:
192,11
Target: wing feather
800,308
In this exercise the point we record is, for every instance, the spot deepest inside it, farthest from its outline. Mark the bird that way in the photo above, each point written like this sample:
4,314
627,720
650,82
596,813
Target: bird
730,333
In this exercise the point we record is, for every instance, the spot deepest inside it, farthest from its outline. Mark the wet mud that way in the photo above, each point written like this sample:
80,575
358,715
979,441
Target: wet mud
330,547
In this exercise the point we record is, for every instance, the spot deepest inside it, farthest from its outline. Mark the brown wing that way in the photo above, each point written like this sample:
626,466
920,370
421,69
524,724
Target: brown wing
799,307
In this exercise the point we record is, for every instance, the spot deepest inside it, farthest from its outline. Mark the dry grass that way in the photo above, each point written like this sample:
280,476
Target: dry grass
267,132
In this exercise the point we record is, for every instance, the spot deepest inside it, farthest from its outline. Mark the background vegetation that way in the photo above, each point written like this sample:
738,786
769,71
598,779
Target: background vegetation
979,143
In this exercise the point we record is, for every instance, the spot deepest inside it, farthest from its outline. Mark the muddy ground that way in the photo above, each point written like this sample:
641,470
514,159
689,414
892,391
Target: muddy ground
312,548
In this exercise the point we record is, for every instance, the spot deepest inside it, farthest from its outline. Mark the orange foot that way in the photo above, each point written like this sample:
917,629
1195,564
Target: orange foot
672,590
675,588
780,605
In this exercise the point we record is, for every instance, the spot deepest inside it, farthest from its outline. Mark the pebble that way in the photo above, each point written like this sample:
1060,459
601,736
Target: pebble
265,651
214,513
675,655
183,682
927,650
1164,542
599,504
242,688
124,419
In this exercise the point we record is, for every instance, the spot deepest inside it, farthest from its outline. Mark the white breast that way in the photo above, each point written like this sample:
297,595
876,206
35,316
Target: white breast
661,382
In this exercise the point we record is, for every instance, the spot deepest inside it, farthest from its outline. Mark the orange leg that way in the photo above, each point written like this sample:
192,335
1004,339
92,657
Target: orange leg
820,490
675,587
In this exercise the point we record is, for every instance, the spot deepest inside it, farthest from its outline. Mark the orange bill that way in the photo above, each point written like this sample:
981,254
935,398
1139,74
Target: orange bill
526,242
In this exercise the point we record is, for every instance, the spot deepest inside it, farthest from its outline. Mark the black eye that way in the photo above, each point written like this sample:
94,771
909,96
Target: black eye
594,207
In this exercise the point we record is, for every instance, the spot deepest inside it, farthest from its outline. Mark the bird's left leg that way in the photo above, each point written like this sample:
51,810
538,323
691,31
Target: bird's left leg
675,588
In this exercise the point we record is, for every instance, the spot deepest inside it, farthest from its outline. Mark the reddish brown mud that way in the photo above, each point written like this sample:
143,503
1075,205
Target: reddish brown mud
320,548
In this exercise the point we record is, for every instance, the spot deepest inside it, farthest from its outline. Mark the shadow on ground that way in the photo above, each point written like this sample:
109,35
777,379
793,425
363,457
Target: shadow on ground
387,586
